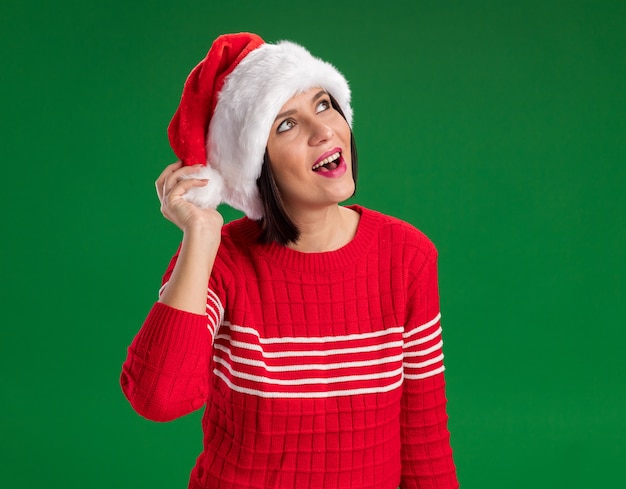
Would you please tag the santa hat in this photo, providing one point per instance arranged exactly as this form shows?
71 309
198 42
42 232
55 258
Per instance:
227 109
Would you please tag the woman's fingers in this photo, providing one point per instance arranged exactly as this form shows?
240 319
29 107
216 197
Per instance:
171 185
178 175
173 206
160 181
182 185
172 175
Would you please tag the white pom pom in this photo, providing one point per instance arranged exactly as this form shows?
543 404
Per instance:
209 196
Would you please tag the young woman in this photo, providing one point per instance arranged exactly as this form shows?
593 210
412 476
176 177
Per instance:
310 331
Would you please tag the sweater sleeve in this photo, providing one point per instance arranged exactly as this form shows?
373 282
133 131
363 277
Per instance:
166 372
427 461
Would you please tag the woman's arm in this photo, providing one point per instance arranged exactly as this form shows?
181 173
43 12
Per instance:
426 453
186 289
165 374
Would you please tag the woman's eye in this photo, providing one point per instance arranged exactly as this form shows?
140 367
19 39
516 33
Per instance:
285 125
322 106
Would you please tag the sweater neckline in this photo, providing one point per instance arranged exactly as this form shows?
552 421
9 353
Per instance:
290 259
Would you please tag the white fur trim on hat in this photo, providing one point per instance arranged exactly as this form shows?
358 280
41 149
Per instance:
247 105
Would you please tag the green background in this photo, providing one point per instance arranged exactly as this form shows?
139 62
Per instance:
498 128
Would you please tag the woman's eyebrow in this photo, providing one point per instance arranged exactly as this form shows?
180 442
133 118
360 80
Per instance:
319 94
284 114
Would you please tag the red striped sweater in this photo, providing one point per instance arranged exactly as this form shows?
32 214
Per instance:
318 370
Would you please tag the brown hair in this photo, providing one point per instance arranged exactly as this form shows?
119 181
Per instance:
276 225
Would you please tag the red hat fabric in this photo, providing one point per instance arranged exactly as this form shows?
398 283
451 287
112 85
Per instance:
228 106
188 128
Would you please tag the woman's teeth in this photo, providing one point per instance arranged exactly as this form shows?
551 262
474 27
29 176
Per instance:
328 160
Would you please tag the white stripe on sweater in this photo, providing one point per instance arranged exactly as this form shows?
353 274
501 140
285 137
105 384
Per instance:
316 366
313 339
215 300
427 351
309 353
423 327
425 339
307 395
425 375
425 363
320 381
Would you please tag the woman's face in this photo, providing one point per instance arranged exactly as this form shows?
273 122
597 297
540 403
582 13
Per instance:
309 153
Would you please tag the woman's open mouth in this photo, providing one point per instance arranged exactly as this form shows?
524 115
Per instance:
329 163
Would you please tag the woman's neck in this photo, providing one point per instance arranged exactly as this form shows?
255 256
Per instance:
326 229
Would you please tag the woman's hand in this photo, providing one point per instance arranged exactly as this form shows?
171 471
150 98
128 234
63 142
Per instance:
171 186
202 229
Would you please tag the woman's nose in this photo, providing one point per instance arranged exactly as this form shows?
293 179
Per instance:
320 132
